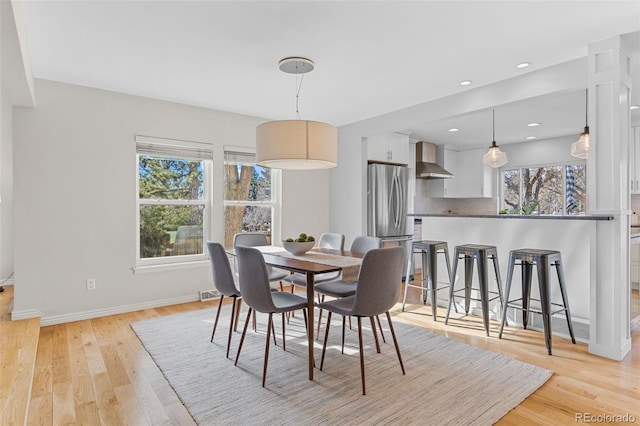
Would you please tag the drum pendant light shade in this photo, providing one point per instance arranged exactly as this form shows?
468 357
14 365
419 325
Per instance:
296 145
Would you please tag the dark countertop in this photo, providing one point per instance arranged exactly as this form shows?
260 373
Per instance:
512 216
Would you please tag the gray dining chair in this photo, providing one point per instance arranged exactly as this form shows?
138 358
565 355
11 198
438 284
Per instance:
256 292
223 282
339 288
254 239
329 240
377 291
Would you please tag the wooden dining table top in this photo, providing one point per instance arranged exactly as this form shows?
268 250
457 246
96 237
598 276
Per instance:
280 258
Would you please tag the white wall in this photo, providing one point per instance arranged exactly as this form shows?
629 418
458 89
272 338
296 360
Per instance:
74 193
6 189
545 151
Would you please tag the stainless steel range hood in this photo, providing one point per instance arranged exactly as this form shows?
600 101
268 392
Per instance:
426 167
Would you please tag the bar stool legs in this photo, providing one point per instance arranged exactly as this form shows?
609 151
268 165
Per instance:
481 254
544 260
429 251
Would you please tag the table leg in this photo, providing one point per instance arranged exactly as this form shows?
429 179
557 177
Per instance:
310 328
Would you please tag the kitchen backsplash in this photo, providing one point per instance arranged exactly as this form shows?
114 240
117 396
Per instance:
456 205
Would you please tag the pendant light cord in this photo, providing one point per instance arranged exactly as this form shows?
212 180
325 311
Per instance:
586 108
493 112
299 86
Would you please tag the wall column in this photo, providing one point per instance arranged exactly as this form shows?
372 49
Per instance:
609 84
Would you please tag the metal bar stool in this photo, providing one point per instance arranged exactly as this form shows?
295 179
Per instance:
482 254
544 260
429 281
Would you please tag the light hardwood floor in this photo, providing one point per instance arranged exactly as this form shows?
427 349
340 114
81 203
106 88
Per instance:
96 372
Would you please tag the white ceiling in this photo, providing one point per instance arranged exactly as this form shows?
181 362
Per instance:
371 57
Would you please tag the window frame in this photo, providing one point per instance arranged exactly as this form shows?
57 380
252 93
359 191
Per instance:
562 164
276 197
175 146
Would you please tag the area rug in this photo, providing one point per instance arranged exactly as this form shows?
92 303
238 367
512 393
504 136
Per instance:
447 382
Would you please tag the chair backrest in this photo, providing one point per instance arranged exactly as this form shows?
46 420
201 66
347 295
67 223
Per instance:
379 281
222 274
363 244
331 240
254 279
250 239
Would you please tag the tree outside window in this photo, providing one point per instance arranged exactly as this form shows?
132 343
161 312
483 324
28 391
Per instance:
248 195
549 190
173 201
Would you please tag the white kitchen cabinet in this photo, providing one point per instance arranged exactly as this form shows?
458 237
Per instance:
634 161
472 179
388 148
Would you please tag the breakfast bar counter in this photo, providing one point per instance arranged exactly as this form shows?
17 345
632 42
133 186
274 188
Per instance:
573 236
513 216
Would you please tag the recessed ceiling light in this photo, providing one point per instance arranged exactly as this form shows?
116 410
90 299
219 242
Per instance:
453 129
465 83
635 107
530 138
523 65
533 124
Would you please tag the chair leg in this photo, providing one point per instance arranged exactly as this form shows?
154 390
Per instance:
361 350
244 331
319 317
266 349
326 337
215 323
343 329
380 327
233 309
375 333
284 345
273 330
236 321
395 342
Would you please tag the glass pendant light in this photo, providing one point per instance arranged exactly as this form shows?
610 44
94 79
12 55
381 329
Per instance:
580 148
494 157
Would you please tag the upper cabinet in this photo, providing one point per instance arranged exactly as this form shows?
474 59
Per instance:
634 161
472 179
388 148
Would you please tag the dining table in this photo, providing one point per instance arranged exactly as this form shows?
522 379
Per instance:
316 261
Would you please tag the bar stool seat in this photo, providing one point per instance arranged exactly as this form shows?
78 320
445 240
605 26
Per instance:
482 254
544 260
429 249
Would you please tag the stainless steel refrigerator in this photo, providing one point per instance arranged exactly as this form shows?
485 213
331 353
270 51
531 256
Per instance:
387 195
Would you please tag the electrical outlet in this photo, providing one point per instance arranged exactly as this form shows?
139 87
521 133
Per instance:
91 284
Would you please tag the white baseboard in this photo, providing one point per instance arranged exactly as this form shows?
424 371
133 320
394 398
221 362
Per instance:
7 282
22 315
78 316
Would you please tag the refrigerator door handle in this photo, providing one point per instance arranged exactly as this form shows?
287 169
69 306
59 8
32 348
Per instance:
398 200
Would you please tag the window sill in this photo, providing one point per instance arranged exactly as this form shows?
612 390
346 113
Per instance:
147 269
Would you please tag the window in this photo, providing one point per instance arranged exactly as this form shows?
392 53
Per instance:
173 199
249 196
548 190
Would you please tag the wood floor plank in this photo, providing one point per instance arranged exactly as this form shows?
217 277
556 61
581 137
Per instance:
18 351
